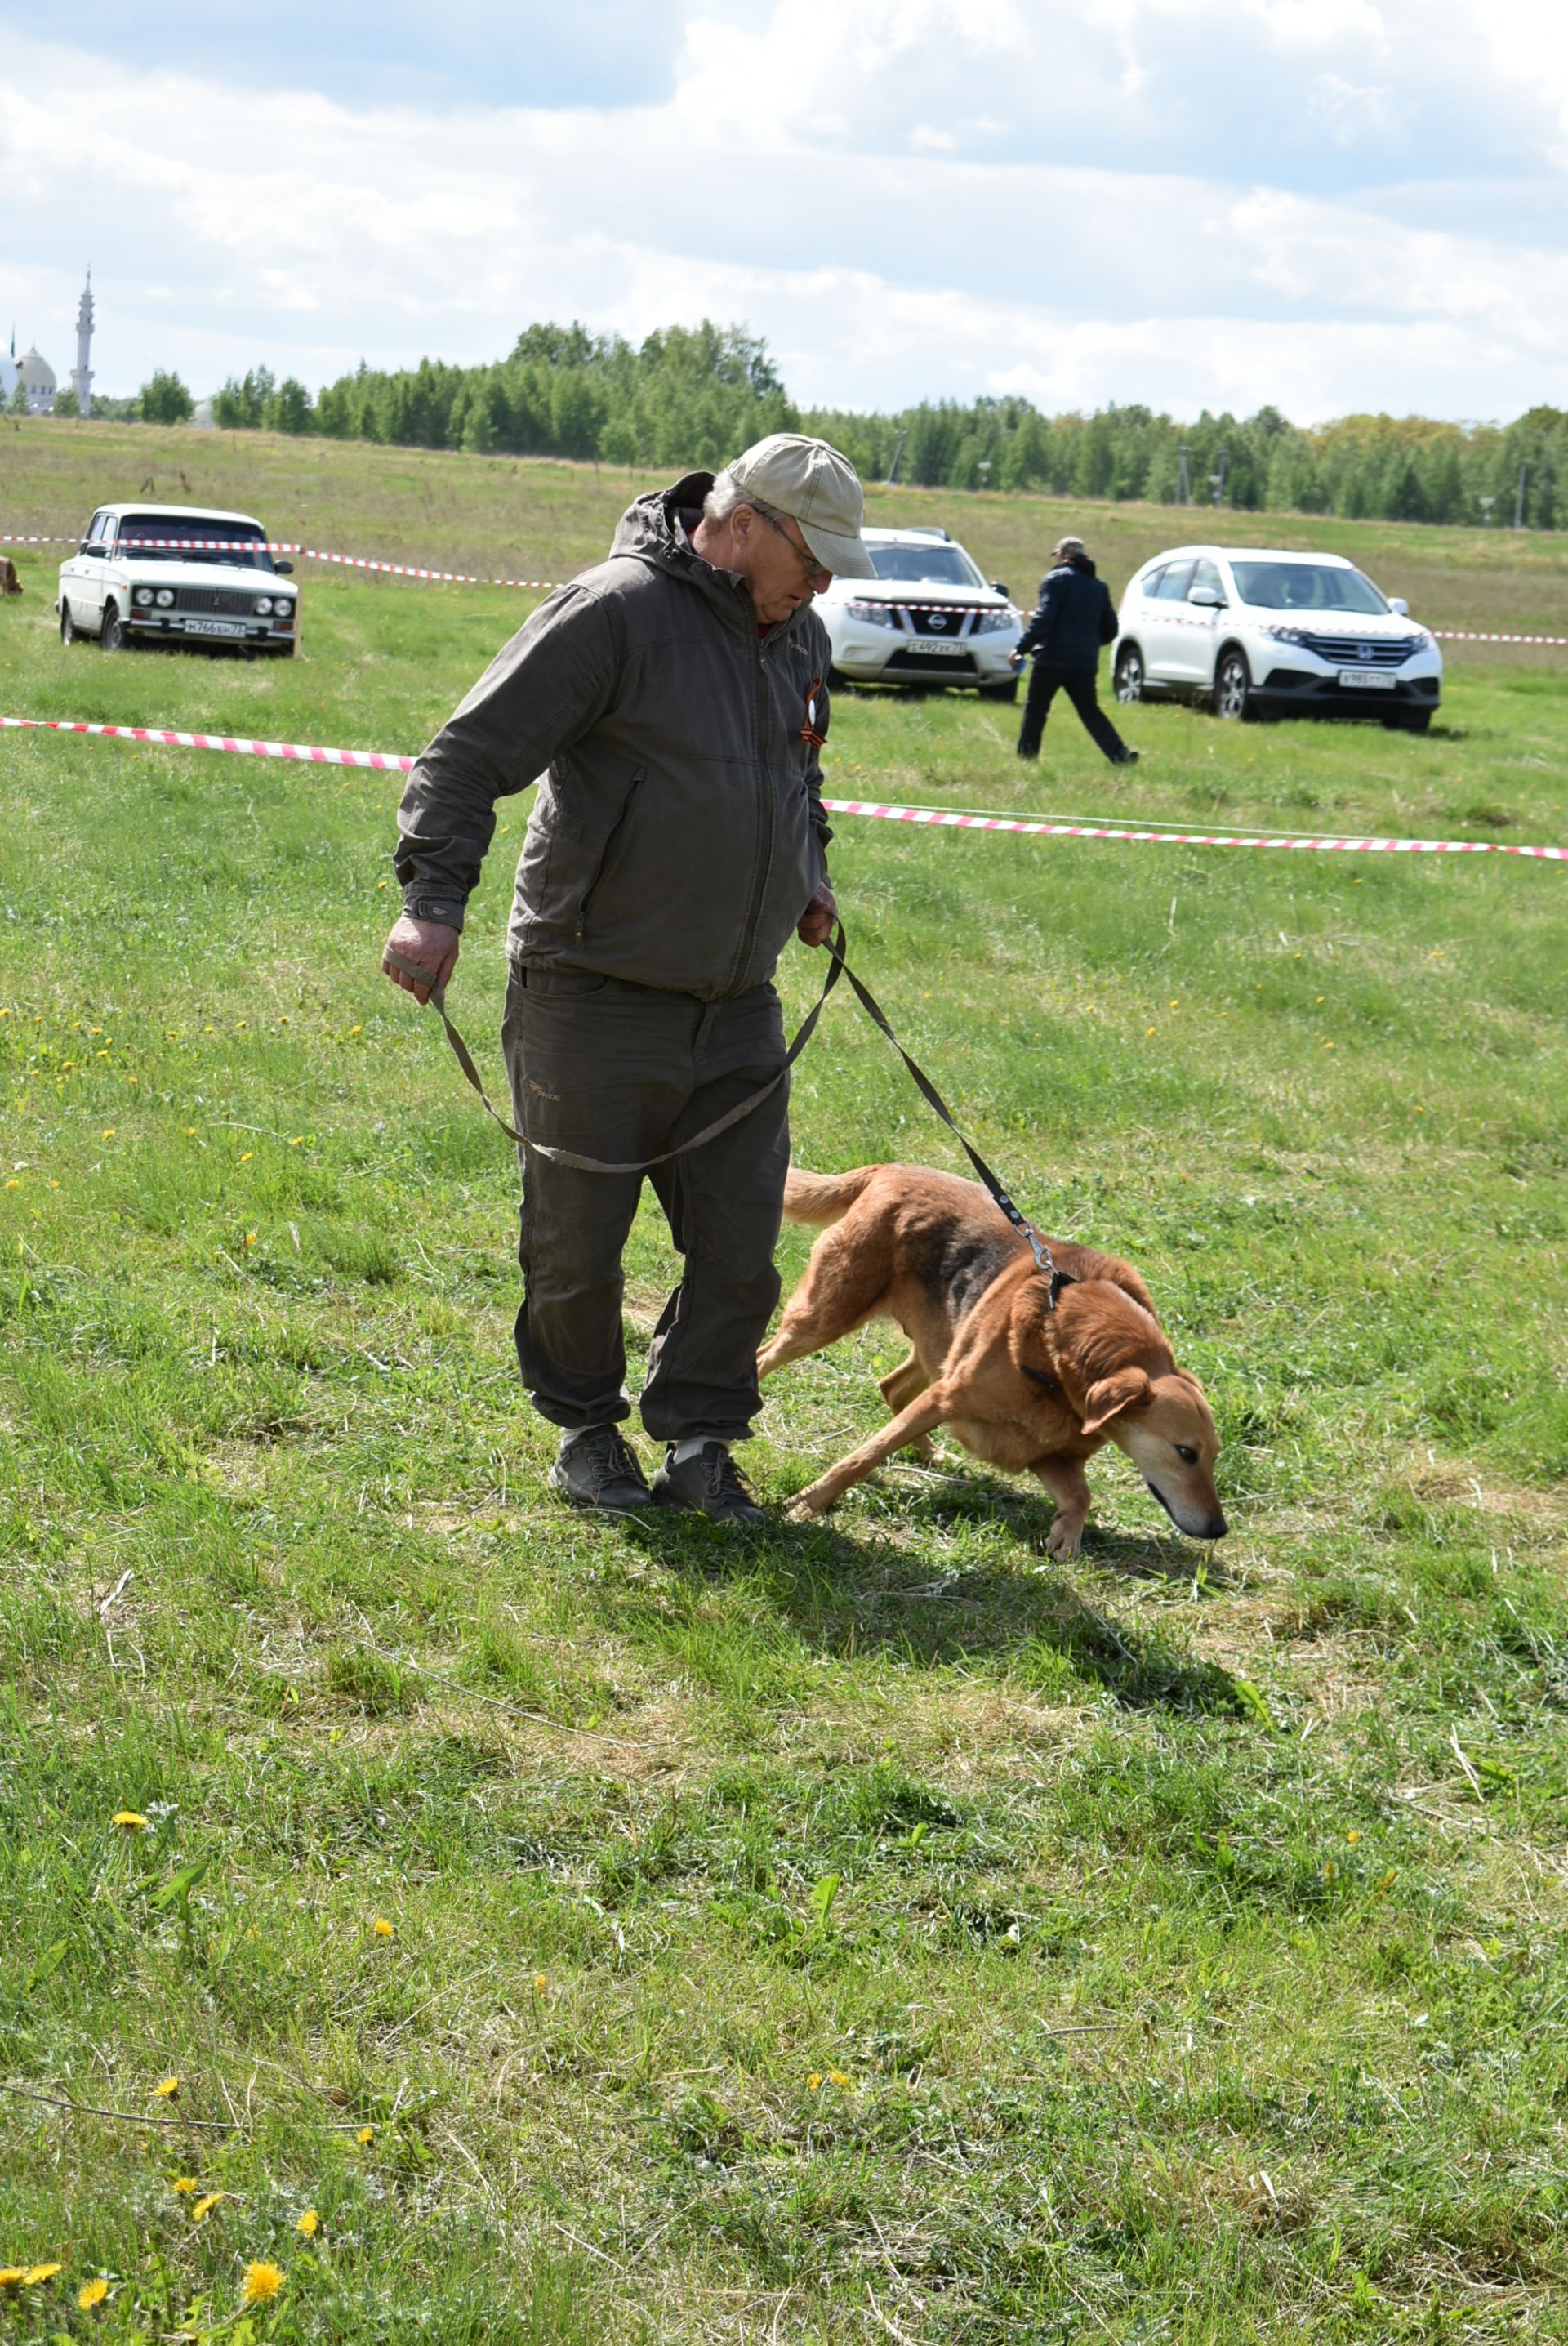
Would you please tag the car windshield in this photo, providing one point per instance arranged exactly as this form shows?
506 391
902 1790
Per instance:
1305 587
155 538
937 564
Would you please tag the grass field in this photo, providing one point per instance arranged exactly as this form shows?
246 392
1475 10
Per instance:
869 1931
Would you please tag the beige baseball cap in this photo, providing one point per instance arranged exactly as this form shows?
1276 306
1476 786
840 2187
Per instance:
816 486
1069 546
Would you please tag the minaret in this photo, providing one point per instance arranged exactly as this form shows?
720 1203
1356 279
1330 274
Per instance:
82 373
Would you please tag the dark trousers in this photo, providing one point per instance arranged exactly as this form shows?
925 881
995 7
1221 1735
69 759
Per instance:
1079 685
621 1071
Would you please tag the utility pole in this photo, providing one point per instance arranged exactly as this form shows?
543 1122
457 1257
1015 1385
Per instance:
1184 484
1217 480
1519 500
892 481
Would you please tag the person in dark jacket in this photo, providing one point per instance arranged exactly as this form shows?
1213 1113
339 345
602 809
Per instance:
671 703
1075 619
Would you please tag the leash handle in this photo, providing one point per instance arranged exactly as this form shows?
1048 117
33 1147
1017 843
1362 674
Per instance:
569 1156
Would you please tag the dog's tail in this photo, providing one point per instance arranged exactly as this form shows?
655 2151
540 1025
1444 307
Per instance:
823 1198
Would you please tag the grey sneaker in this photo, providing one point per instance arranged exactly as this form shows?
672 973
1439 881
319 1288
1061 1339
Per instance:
602 1471
711 1483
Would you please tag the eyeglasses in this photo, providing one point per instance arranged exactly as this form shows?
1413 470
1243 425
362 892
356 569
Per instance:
803 553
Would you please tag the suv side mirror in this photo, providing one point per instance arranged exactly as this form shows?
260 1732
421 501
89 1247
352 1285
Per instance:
1398 603
284 569
1209 598
998 589
92 546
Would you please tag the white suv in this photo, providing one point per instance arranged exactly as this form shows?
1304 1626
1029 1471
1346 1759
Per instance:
929 616
132 581
1264 634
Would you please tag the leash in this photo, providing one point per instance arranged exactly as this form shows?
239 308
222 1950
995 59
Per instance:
837 966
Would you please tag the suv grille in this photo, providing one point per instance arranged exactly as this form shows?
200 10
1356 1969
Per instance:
213 598
948 620
1360 651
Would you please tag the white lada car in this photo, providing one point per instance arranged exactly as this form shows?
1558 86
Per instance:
133 581
1263 634
929 616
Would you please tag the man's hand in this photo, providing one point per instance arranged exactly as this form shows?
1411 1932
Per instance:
1015 659
816 922
430 945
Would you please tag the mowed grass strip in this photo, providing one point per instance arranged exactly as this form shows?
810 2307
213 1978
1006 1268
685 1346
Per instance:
870 1929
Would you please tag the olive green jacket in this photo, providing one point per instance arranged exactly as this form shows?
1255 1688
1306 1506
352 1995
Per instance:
677 833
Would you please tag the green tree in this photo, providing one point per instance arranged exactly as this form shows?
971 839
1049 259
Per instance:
66 404
19 400
289 408
165 400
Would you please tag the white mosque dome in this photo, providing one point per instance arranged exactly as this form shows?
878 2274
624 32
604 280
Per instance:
36 372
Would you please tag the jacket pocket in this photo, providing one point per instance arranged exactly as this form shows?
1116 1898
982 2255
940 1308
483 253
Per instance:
615 839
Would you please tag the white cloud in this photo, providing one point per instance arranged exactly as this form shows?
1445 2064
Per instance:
913 197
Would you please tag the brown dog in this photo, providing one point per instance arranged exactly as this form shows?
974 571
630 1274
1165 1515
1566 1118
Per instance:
1021 1386
9 582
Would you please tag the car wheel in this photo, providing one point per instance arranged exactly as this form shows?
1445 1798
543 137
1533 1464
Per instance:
1409 720
112 634
1128 682
1232 686
69 631
1008 692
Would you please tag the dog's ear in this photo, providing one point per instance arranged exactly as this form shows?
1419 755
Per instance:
1127 1389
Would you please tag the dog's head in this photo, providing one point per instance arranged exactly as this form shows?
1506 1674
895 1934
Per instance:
1164 1425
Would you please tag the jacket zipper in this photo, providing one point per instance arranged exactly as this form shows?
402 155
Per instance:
764 858
612 839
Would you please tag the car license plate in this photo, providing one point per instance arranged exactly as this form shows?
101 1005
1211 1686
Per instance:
215 626
1367 679
939 644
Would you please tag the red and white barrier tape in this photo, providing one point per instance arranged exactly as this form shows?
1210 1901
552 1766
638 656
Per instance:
534 586
934 818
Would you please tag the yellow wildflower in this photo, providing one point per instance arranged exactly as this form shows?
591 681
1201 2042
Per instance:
262 2283
11 2274
129 1820
356 1030
366 2134
13 1185
166 2091
186 2183
838 2077
191 1132
540 1983
1352 1838
814 2081
382 1928
91 2293
250 1238
206 2204
309 2223
245 1155
37 2273
109 1134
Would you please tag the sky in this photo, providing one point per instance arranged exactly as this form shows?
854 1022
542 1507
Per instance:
1329 205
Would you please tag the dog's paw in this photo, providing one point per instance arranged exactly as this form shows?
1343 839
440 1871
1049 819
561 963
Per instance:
1065 1537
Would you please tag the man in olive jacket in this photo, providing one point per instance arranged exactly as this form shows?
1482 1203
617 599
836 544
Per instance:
1075 618
672 702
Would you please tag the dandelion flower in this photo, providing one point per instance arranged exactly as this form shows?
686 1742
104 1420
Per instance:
356 1030
183 2183
365 2134
813 2082
191 1132
129 1820
250 1238
91 2293
245 1155
262 2283
166 2091
109 1134
11 2274
838 2077
1352 1838
206 2204
35 2274
382 1928
540 1983
309 2223
13 1185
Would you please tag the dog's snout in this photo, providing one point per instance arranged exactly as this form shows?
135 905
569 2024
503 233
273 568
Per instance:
1215 1528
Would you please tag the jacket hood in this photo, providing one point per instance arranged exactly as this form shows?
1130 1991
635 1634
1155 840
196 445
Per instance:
653 529
1078 562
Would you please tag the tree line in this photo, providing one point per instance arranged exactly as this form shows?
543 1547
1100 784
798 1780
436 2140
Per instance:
695 395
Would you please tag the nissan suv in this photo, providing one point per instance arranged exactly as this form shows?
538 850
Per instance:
929 616
1257 633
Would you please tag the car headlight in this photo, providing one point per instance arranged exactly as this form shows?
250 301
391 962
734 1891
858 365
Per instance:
166 598
282 610
1286 635
144 595
990 622
1420 641
262 605
875 615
